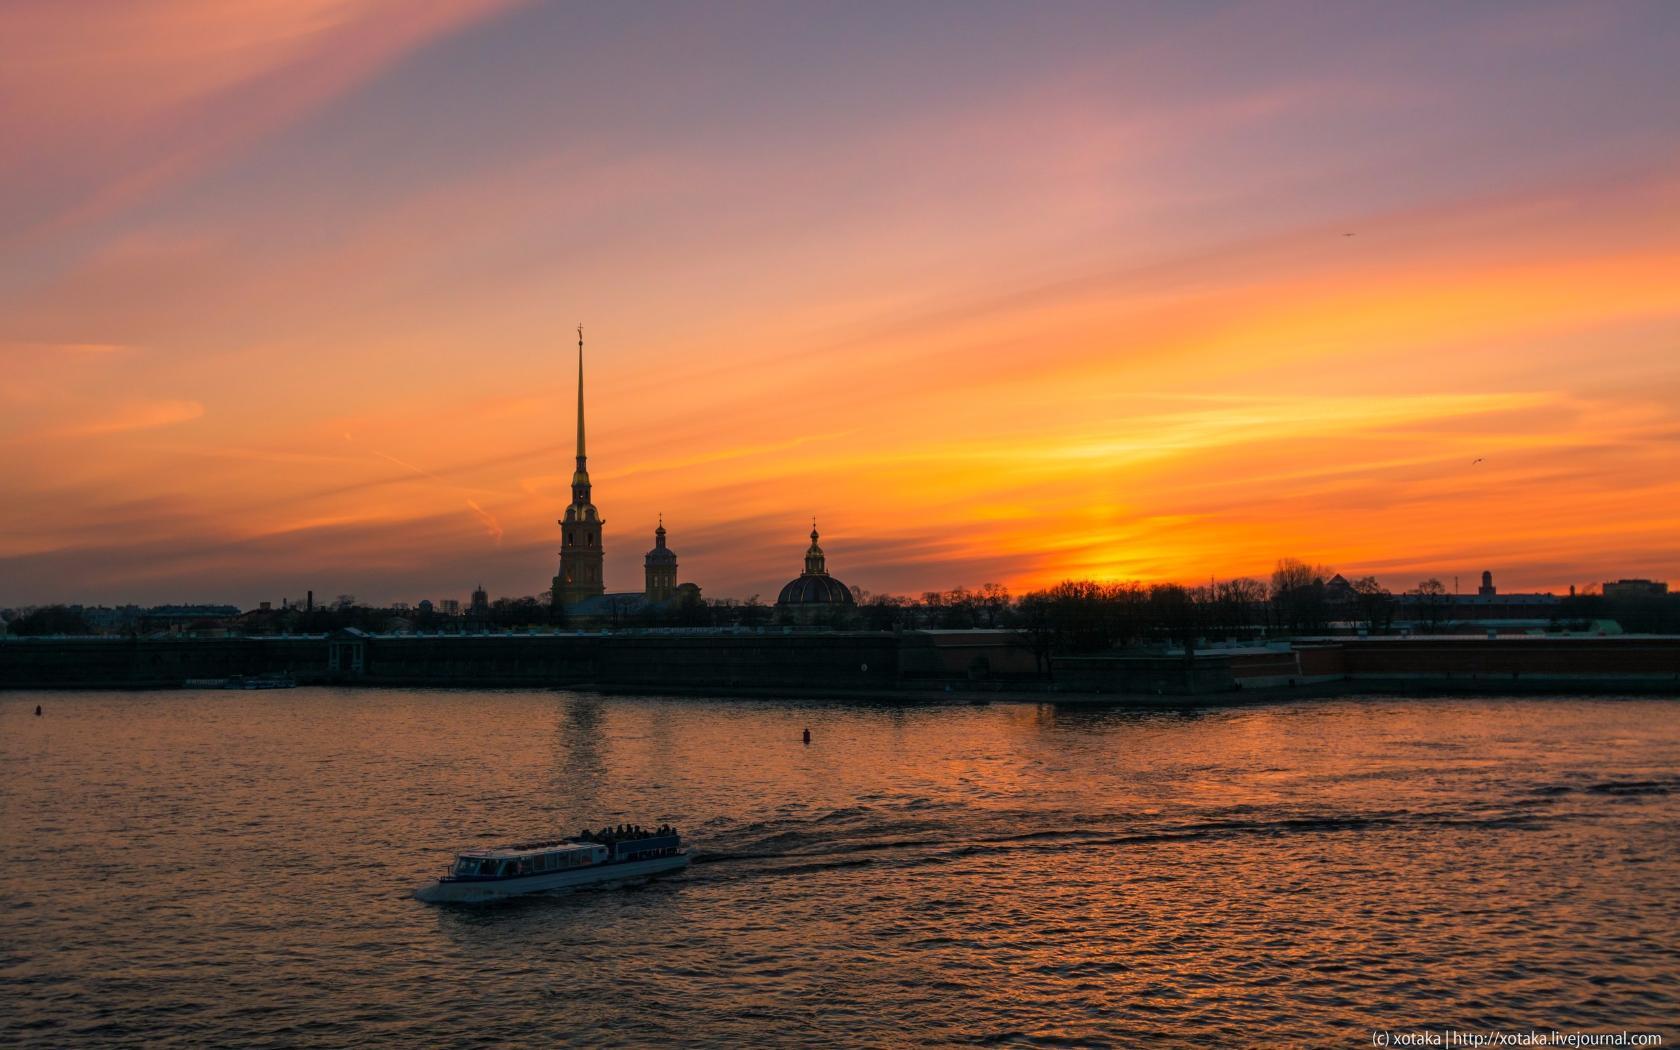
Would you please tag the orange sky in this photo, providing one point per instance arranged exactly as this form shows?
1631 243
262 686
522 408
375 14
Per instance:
1149 292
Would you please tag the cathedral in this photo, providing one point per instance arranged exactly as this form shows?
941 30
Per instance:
581 555
814 597
580 586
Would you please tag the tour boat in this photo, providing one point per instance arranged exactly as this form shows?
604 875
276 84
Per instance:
564 864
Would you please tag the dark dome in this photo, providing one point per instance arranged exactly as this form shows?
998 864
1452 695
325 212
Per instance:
662 556
815 589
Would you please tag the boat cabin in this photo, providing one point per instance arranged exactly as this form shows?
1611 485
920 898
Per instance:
537 858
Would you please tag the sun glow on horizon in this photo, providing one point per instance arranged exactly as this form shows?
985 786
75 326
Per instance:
287 298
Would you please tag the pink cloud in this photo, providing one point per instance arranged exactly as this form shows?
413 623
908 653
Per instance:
140 416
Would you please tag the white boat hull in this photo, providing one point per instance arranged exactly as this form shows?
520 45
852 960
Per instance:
479 891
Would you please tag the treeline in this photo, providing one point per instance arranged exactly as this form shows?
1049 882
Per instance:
1071 616
1086 616
49 619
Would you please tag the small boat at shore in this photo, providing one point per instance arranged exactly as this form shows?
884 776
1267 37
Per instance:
605 858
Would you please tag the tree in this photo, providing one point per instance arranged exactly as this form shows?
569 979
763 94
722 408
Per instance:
519 612
50 619
1430 603
753 612
1298 595
1376 604
993 600
884 612
1179 615
960 609
1041 628
1237 607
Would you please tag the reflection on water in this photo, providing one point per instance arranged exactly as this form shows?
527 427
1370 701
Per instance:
582 762
233 869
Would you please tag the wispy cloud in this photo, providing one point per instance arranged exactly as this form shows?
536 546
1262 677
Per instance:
36 349
492 527
137 416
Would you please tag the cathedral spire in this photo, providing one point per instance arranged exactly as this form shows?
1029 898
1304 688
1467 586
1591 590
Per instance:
580 575
581 455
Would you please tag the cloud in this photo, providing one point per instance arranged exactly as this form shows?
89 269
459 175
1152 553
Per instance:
138 416
492 527
33 349
146 97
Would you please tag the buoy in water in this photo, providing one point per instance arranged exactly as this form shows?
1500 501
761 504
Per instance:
38 714
807 733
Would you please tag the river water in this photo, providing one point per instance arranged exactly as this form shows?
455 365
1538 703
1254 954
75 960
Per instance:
228 868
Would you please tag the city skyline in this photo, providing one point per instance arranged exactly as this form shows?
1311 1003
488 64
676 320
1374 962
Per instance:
1152 293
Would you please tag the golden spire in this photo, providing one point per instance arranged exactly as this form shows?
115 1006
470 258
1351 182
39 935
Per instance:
580 452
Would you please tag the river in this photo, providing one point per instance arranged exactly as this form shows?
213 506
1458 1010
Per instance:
233 868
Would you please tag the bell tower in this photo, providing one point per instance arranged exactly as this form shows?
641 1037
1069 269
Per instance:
661 568
581 554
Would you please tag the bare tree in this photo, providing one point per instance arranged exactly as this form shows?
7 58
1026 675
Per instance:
1298 595
753 612
994 601
1431 603
1376 604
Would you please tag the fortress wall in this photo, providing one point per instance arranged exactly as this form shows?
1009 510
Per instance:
845 661
68 663
829 661
1512 656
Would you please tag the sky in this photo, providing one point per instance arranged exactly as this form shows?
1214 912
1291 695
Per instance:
996 292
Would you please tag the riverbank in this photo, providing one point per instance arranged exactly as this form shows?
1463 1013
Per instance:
904 667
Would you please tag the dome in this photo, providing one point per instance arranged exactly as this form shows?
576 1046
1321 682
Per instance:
813 589
661 554
815 586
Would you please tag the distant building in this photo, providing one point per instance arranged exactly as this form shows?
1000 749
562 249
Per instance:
449 607
187 617
1635 589
660 567
1486 608
814 596
480 606
581 550
425 606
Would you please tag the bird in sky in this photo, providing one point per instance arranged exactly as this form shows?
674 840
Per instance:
1477 460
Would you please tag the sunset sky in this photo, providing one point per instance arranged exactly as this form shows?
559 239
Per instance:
998 292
